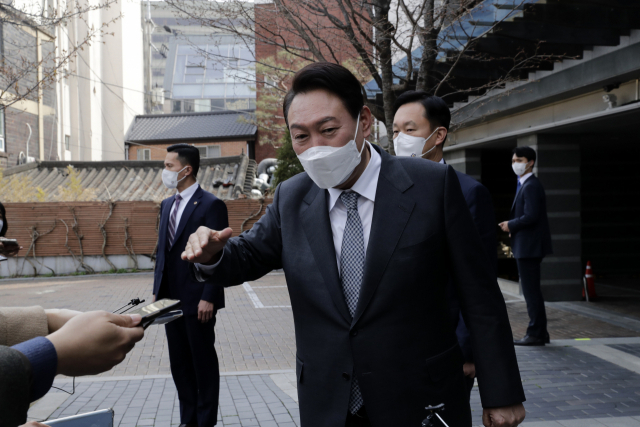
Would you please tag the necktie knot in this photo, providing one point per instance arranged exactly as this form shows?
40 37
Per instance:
178 197
350 199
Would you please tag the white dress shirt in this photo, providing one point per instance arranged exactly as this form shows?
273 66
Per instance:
186 196
365 186
524 177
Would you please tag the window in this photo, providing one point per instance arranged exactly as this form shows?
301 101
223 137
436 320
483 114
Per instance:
2 147
177 107
208 152
188 106
67 142
202 105
144 154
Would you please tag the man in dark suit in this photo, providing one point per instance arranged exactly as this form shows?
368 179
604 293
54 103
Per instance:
530 241
194 362
367 242
420 125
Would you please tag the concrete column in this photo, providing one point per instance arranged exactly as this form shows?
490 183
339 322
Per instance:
465 161
558 168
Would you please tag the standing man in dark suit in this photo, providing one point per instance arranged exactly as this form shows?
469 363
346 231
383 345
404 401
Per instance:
194 362
530 241
368 242
420 128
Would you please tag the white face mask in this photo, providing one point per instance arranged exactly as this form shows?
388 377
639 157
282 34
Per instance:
170 178
329 167
410 146
519 168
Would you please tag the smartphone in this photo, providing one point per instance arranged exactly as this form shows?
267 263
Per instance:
7 243
151 311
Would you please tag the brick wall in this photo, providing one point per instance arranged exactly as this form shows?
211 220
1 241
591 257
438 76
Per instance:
141 221
20 56
159 151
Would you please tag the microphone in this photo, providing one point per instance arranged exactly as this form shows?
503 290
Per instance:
430 421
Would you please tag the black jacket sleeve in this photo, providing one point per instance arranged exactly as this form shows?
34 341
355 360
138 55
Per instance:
217 219
15 380
482 304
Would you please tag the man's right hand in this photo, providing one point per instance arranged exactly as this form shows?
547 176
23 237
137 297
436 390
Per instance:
205 245
94 342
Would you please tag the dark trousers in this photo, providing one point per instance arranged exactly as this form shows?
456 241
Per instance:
469 383
360 419
529 271
194 367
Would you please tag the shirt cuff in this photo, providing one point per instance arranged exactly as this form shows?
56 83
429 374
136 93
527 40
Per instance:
207 270
44 363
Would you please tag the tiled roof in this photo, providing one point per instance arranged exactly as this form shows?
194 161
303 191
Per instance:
190 126
225 177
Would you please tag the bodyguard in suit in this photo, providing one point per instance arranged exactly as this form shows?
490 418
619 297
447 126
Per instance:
194 362
420 128
530 241
368 242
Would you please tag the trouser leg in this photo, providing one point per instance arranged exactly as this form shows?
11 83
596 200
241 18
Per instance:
201 338
529 271
182 370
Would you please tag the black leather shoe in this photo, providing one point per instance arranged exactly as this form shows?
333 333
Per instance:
530 341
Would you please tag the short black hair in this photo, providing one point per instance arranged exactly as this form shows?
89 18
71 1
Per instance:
435 109
188 155
333 78
526 152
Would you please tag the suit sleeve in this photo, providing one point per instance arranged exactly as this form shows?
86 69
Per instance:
252 254
15 379
217 219
532 209
481 302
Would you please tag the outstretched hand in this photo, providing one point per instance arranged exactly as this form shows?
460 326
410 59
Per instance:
205 245
508 416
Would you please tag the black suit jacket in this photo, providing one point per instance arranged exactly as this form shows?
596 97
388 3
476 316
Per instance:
3 216
400 344
15 379
171 276
529 225
480 205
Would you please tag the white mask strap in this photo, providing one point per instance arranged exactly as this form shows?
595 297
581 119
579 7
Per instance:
429 137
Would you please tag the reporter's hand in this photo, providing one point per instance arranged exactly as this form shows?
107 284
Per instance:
469 369
504 225
56 318
508 416
205 311
204 246
94 342
34 424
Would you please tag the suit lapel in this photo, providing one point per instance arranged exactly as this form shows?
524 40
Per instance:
163 228
390 215
317 227
188 210
513 205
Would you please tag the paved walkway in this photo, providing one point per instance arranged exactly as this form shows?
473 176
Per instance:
587 380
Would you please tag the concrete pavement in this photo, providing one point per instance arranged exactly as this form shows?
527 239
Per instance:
594 381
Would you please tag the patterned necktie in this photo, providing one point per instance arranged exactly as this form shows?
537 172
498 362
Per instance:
518 186
172 220
351 272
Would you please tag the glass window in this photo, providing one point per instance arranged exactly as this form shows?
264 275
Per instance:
238 90
181 61
177 107
214 90
188 106
67 142
217 104
213 151
215 71
144 154
203 152
202 105
187 91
